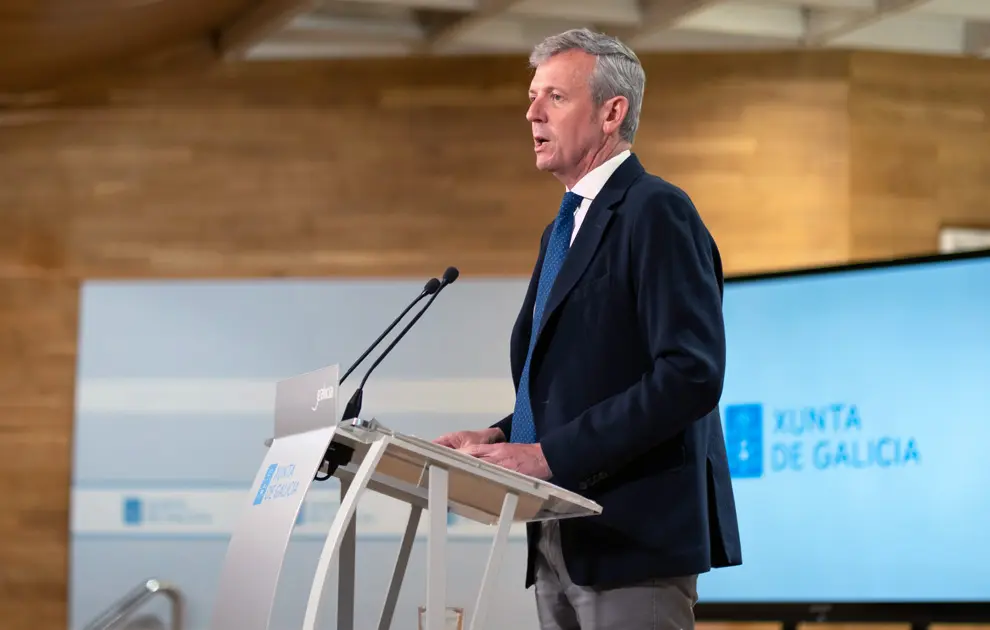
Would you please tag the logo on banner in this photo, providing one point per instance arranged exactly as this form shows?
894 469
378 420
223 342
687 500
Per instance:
813 437
744 440
279 482
324 393
172 510
133 512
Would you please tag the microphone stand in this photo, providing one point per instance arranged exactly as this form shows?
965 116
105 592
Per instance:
340 454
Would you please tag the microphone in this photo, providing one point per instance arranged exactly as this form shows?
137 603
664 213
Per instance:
340 454
353 408
432 286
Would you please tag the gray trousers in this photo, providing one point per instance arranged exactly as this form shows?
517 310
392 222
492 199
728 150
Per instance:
562 605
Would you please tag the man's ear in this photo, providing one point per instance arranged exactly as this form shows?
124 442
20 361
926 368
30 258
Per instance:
614 112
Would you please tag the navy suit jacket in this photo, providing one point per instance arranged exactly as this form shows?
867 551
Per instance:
625 382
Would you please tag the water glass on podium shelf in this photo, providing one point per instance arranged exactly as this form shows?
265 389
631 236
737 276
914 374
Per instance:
453 618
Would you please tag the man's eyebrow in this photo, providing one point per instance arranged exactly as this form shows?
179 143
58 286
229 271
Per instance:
546 88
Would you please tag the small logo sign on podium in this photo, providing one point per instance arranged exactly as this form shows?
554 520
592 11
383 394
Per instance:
305 421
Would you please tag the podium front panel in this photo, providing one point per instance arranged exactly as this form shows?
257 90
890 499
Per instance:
250 573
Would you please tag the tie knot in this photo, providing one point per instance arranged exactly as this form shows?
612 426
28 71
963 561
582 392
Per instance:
569 204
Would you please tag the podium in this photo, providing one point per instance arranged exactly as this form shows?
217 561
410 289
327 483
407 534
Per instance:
367 456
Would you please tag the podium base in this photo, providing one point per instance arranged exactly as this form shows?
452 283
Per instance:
341 542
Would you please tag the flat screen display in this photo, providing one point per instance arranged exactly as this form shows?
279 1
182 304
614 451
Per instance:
856 412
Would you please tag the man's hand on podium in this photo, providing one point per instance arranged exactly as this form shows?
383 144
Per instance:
460 439
527 459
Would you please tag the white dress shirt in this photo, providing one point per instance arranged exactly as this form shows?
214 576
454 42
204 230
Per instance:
591 184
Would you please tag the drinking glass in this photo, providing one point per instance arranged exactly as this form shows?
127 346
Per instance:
453 618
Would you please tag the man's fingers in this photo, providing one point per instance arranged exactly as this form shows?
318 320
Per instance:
477 450
452 440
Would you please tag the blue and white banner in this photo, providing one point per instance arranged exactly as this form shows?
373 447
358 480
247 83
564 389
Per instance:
176 397
207 513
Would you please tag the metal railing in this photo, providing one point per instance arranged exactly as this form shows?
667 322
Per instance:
120 610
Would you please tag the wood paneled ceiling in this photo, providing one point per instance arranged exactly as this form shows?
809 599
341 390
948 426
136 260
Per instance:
43 41
363 27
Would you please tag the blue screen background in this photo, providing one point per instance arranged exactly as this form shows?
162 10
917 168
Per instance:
819 368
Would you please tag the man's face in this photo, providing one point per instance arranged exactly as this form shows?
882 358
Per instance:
566 125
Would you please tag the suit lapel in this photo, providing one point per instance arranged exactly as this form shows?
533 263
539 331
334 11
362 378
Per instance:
589 237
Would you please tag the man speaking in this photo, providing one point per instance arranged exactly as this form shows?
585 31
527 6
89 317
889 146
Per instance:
617 355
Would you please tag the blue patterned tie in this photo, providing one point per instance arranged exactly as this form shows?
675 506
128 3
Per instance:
523 430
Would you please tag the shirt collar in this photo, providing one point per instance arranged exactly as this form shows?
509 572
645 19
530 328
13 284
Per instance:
591 184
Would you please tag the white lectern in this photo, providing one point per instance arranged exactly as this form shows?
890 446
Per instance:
412 470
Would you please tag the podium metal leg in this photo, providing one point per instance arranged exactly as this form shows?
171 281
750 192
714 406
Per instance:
336 536
436 562
346 569
399 573
494 560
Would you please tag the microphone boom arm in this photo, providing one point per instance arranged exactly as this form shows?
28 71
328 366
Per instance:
353 407
339 454
430 289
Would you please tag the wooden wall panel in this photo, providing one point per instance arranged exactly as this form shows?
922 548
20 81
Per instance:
920 150
388 153
37 365
766 162
385 167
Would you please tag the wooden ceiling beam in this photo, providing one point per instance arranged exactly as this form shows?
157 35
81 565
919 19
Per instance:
823 26
660 15
261 20
443 28
976 39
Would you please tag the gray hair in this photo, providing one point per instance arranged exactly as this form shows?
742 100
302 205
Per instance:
618 71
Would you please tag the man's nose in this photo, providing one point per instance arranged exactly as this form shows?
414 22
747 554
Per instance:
535 112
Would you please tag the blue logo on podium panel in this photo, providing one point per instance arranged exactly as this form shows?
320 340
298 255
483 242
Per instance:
278 483
265 482
132 511
744 440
